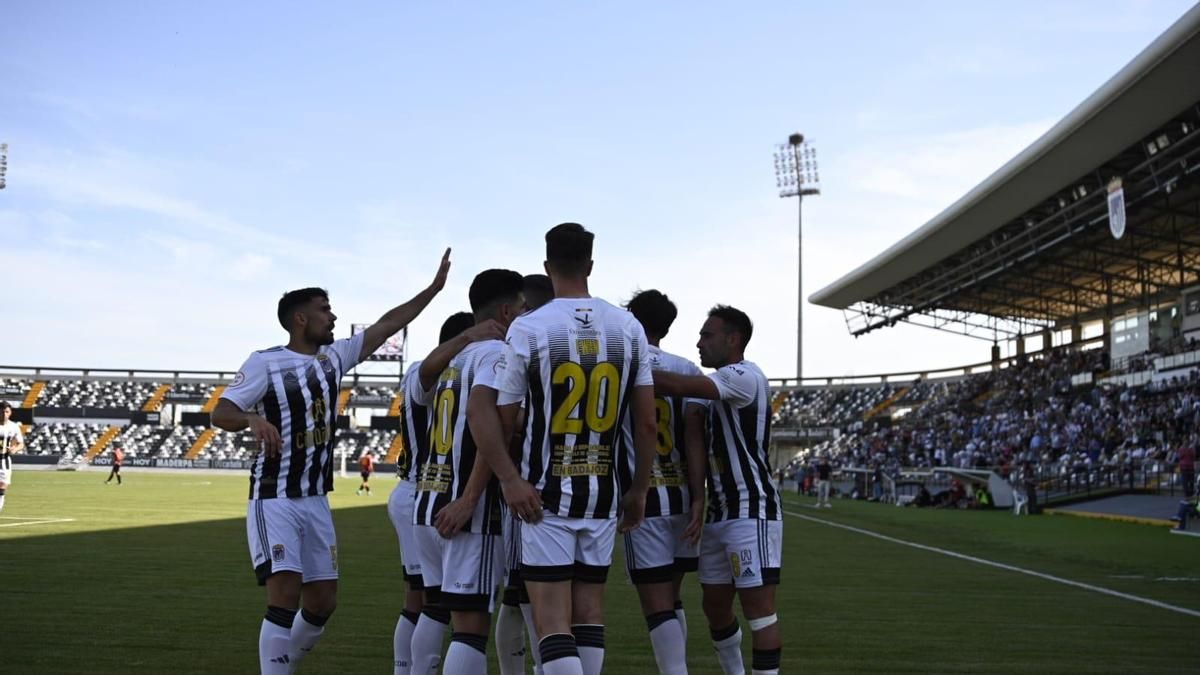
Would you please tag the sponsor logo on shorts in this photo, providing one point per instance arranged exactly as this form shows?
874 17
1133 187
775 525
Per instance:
277 552
333 557
745 562
466 587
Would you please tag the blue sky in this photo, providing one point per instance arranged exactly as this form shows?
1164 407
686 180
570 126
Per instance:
173 167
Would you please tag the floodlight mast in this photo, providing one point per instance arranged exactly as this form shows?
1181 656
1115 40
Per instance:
796 175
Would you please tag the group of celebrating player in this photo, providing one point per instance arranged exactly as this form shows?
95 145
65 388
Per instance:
543 416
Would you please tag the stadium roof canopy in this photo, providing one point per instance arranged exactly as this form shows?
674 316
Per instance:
1030 247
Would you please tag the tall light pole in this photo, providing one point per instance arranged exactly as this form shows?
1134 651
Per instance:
3 163
796 176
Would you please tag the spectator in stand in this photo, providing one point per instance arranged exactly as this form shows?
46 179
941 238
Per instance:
1187 467
118 458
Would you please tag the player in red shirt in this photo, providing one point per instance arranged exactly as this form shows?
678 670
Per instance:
118 458
366 465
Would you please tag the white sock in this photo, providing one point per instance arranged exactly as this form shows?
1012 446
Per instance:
306 632
402 642
728 643
670 651
560 655
589 640
467 655
510 640
682 616
274 639
534 640
2 502
427 644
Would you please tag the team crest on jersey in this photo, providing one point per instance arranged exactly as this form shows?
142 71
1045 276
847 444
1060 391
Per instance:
277 553
326 364
333 557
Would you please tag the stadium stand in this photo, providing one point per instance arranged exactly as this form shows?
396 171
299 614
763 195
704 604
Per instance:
62 439
128 395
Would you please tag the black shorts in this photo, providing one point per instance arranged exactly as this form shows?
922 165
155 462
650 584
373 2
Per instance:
366 475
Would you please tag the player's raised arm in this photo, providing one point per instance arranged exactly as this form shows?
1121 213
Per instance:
398 317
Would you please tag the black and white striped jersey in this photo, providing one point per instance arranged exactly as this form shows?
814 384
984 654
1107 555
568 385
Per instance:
442 476
578 360
10 435
669 494
414 424
298 394
740 484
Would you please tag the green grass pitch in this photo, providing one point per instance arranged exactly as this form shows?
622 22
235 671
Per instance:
152 576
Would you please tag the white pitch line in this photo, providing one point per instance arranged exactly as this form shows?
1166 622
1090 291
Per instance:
1003 566
35 521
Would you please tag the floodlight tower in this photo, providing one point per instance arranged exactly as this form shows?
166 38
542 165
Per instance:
796 176
3 163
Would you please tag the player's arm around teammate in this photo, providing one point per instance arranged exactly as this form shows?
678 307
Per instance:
740 552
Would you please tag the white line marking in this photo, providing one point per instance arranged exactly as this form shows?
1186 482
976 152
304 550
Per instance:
35 521
998 565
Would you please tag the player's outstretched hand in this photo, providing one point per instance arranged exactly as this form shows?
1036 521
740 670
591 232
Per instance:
488 330
454 516
695 525
633 510
266 434
439 279
523 499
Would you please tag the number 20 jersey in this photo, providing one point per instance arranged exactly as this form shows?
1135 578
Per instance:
578 359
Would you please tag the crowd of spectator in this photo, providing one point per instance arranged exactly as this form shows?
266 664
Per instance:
1029 415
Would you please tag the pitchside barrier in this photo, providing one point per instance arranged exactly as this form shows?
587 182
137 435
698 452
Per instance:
168 463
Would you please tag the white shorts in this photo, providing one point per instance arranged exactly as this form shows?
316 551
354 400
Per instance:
745 552
465 567
564 549
292 535
656 551
400 510
6 476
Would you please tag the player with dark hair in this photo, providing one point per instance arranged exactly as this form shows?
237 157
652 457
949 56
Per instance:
12 441
287 397
421 627
457 509
538 290
658 553
583 364
514 620
118 458
741 550
366 466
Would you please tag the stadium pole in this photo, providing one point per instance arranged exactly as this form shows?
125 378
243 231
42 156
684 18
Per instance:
796 176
